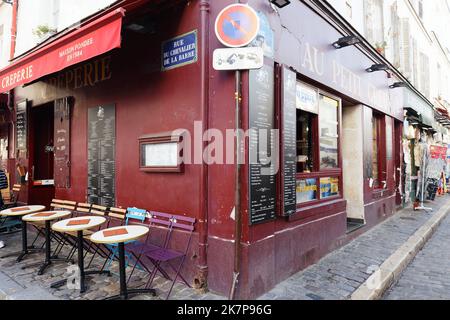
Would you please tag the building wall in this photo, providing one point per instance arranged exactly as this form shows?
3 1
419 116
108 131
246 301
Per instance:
5 33
416 38
55 14
147 101
353 160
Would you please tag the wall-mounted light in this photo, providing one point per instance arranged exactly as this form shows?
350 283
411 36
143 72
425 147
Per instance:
346 41
398 85
377 67
280 3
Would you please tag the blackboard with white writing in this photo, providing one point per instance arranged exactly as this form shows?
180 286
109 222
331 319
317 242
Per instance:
101 155
262 183
289 132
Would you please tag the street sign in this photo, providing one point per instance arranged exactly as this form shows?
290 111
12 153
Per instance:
238 58
237 25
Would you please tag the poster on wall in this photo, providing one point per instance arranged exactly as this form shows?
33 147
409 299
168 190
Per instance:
101 155
289 134
262 171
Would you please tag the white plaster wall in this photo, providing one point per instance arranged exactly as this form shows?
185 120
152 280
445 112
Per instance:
5 20
57 14
352 157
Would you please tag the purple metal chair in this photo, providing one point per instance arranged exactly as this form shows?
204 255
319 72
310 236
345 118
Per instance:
168 254
159 223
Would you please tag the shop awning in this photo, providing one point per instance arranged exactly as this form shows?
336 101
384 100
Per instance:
84 43
422 107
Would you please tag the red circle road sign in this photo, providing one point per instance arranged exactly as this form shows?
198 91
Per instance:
237 25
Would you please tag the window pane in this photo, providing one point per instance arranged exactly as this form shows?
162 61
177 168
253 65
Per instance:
304 142
329 187
328 130
306 190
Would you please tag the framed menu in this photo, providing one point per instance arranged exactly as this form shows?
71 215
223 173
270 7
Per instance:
289 138
21 126
101 155
262 182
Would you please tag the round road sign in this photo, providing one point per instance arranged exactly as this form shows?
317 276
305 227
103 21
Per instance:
237 25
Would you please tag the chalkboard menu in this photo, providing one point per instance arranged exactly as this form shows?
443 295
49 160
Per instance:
21 126
62 143
101 155
262 183
289 135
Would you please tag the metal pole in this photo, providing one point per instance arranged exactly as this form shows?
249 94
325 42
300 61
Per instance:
237 191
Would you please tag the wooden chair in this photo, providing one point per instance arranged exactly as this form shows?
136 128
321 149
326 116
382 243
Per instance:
56 204
14 197
10 198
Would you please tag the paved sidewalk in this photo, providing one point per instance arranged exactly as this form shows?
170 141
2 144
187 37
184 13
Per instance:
334 277
428 276
339 274
18 284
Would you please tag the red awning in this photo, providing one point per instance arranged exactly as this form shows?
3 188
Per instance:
93 39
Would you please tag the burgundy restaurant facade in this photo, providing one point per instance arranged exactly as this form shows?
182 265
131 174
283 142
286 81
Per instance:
96 128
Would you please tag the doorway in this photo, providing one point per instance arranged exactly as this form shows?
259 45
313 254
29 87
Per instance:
41 159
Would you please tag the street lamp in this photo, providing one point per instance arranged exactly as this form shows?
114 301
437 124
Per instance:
398 85
346 41
280 3
377 67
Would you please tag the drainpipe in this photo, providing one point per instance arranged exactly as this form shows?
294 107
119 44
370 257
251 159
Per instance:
15 7
200 280
13 29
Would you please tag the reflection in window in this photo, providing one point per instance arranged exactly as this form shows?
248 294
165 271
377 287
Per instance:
329 187
375 164
328 131
305 158
306 190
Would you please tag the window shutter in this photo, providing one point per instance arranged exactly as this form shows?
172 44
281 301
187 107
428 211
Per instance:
415 57
395 23
405 48
424 75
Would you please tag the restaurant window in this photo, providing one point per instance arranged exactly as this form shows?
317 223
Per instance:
318 164
378 151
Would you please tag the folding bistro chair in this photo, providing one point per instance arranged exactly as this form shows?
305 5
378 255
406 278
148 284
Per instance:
139 215
117 217
92 247
10 201
160 225
56 204
169 254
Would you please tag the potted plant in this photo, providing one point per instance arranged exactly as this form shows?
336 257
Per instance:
381 47
43 32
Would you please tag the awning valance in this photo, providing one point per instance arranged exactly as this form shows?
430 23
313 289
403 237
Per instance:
422 107
84 43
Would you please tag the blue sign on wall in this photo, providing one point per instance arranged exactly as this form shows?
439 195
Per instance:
179 51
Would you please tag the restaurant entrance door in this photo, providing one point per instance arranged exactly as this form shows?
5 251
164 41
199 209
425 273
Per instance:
41 189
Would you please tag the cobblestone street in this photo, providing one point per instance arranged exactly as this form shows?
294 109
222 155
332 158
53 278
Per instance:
26 284
428 276
335 277
338 274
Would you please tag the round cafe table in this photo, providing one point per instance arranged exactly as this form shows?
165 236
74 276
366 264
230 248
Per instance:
120 235
20 212
79 225
47 217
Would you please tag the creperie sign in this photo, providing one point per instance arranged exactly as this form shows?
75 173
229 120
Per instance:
94 39
17 77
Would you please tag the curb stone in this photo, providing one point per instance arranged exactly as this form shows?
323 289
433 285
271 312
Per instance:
391 269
